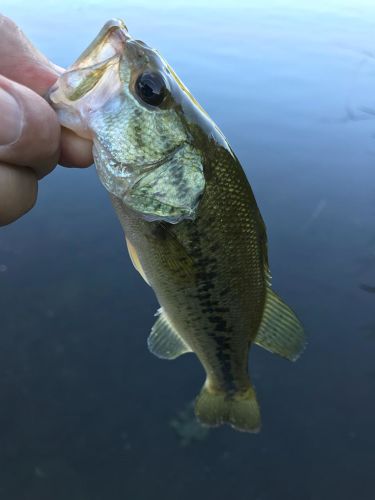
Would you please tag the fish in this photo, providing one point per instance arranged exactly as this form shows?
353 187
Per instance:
192 225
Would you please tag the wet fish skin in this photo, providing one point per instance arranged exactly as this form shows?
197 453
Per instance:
197 270
192 224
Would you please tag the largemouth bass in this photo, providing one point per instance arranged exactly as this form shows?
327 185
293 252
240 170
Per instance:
192 225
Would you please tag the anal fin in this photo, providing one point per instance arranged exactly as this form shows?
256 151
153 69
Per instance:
164 341
280 331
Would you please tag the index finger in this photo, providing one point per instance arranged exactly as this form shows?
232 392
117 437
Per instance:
23 63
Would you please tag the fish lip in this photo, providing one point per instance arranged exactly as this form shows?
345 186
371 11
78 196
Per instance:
115 34
107 47
115 23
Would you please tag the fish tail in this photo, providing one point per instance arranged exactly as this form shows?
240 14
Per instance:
240 410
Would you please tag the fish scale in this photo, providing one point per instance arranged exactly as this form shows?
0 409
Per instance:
217 279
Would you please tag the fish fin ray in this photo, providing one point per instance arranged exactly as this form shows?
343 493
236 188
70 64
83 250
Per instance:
175 256
280 331
264 246
163 341
135 260
240 410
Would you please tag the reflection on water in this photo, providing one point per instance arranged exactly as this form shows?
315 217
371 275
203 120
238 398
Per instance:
86 411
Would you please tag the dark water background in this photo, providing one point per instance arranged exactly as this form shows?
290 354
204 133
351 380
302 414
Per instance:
85 410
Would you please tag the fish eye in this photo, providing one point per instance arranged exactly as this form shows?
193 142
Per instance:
151 88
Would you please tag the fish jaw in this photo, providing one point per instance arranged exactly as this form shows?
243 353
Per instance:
96 68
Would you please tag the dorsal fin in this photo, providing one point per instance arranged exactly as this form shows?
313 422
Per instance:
135 259
164 341
280 330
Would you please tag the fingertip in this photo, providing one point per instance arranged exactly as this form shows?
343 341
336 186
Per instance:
75 151
18 192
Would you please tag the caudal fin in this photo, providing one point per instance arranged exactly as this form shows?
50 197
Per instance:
239 410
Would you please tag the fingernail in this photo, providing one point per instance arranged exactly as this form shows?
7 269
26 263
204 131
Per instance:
10 118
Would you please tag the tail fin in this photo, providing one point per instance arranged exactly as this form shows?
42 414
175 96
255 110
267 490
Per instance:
240 410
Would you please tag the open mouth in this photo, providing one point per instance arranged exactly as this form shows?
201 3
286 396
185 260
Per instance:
105 50
109 42
91 80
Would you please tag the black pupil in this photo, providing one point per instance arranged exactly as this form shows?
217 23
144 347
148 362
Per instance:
151 88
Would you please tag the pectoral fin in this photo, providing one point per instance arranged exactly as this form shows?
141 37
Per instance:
164 341
280 331
135 260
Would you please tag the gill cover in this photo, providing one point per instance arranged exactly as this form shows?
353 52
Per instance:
172 191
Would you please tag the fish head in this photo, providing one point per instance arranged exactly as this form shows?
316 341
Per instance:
145 125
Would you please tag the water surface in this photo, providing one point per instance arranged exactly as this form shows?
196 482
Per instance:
85 410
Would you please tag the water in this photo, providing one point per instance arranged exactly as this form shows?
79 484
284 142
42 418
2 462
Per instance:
86 411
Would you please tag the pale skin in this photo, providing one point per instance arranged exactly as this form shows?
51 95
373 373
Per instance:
32 142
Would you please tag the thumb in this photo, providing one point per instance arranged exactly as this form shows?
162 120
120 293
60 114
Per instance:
29 129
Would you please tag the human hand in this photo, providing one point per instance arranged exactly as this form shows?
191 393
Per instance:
31 139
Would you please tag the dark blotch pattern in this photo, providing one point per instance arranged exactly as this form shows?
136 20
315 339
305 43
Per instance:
220 331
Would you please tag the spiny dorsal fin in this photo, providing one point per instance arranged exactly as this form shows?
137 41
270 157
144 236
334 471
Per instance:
164 341
280 330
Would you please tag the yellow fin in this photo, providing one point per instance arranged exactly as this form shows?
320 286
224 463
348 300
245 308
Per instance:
280 331
135 259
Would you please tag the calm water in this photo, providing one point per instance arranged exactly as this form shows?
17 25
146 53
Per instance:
85 410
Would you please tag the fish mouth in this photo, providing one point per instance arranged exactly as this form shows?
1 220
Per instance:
109 43
104 50
72 96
